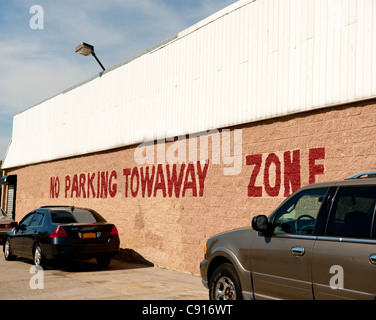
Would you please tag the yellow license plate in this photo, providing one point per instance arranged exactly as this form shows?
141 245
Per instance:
89 235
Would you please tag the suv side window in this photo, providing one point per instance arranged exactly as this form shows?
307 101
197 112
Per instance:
299 214
352 212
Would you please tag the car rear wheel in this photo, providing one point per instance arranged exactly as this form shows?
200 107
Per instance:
225 284
39 259
7 251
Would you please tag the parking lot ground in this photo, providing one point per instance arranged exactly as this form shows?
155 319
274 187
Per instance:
85 280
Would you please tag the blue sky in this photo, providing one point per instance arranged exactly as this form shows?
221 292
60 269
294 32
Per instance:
36 64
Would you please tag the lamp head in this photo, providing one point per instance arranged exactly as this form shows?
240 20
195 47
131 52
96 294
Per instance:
85 49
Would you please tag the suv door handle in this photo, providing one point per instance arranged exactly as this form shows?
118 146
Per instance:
372 258
299 251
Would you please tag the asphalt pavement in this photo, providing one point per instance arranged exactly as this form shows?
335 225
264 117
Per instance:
85 280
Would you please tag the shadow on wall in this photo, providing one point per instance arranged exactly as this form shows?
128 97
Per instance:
130 255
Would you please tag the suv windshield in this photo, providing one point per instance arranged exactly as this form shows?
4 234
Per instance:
73 216
299 214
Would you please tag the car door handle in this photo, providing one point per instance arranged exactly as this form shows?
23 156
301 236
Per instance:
372 258
297 251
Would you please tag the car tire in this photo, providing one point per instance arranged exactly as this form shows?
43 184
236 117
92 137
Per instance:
104 261
8 251
224 284
39 259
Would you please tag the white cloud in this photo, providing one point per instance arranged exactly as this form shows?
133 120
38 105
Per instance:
42 63
32 76
37 64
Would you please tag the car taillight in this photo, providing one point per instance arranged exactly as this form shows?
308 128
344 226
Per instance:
59 232
4 225
114 231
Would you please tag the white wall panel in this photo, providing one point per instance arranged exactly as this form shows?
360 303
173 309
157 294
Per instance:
251 61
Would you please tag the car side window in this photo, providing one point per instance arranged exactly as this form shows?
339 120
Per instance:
26 221
352 212
299 214
37 220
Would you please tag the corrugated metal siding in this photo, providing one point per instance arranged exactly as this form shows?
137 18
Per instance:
250 61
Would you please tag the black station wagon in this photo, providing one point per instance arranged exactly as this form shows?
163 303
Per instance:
50 233
320 243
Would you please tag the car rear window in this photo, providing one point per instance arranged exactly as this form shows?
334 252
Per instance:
73 216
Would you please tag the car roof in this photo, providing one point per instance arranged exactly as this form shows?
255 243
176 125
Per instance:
55 207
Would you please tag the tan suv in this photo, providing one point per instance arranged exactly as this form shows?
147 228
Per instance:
320 243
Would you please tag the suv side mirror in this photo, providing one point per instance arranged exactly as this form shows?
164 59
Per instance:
260 223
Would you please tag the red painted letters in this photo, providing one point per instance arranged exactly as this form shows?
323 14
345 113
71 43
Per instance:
173 181
256 160
269 175
150 181
54 187
272 159
291 172
315 169
84 185
155 181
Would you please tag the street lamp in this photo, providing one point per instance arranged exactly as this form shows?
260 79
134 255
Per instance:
85 49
